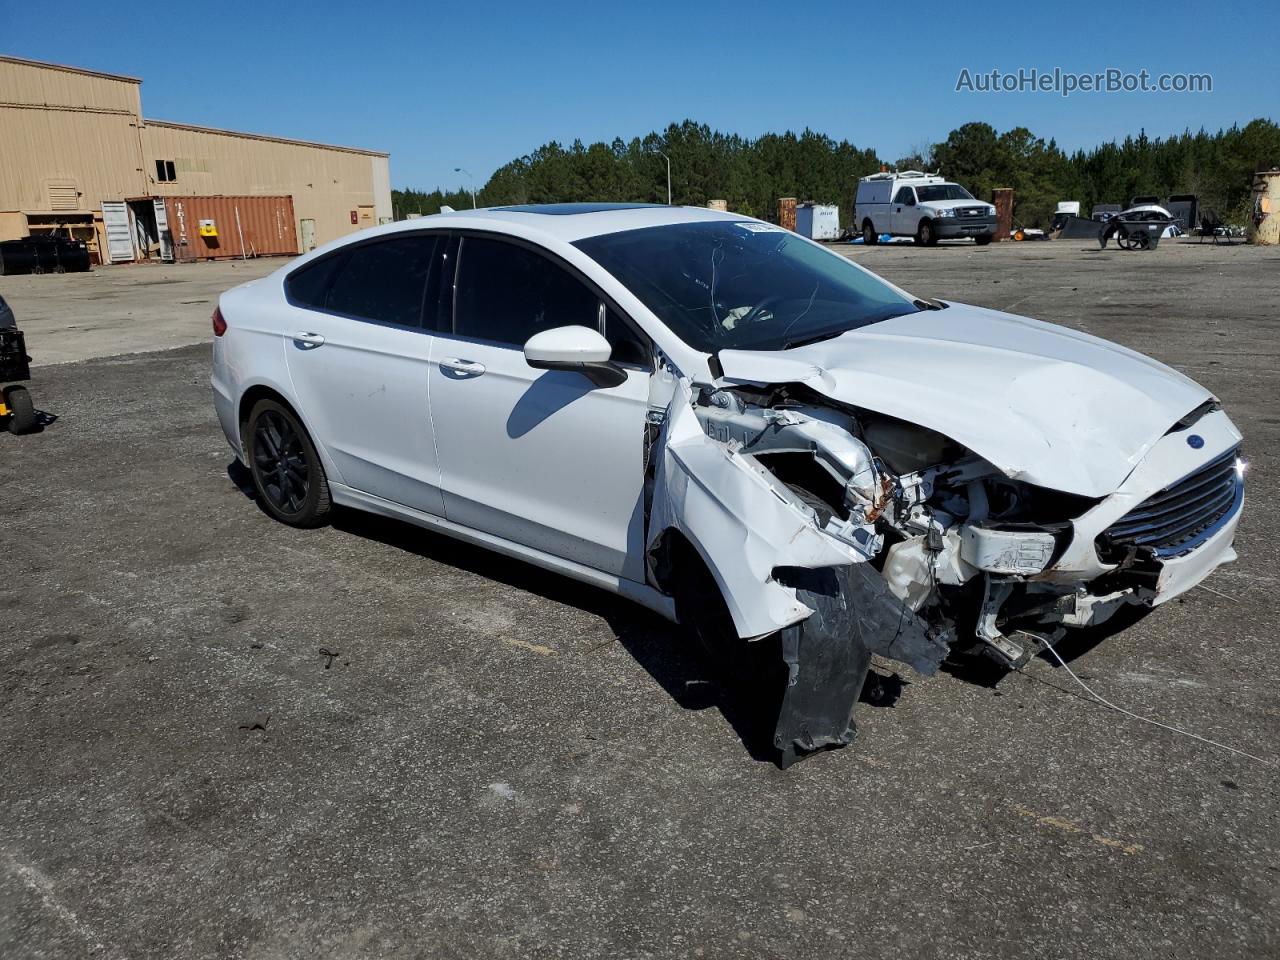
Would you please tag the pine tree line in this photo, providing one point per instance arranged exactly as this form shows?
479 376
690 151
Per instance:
752 174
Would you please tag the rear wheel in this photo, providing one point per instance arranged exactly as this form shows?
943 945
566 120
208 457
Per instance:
869 235
287 472
22 412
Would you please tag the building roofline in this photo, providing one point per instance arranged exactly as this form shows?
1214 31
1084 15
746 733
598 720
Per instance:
262 136
59 66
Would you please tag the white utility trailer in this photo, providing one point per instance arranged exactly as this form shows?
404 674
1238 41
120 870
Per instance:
818 221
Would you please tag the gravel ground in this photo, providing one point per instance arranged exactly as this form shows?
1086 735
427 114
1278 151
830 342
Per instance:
499 762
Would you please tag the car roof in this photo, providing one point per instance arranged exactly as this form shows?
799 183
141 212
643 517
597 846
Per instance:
569 221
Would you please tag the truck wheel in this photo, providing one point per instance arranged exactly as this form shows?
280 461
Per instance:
982 240
869 235
22 412
925 235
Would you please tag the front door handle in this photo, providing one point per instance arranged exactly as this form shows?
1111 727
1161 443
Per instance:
462 368
308 339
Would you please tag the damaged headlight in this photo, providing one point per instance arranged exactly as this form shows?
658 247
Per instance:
1014 552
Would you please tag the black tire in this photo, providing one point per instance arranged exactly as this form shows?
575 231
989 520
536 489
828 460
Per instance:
22 412
287 473
747 681
869 235
701 609
926 236
982 240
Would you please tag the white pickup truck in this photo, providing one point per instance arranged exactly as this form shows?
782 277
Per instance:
920 205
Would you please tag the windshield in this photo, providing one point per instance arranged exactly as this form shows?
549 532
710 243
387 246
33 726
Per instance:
743 285
943 191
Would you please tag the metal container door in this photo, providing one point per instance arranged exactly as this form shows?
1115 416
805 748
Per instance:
115 218
162 230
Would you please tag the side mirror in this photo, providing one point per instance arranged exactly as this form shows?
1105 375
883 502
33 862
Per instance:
910 201
577 350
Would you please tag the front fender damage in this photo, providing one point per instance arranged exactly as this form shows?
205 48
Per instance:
780 568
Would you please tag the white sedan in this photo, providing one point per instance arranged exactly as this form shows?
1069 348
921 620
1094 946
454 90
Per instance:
734 427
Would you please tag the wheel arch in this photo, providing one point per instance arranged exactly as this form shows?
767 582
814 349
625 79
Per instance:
250 398
258 392
675 561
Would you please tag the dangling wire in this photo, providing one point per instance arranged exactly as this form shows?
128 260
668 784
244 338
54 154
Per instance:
1128 713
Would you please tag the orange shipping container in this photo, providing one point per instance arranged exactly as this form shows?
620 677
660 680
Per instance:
241 227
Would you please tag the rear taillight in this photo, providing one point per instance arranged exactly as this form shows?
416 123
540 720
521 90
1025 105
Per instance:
219 325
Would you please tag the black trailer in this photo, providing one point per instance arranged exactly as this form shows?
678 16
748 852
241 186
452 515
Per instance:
16 409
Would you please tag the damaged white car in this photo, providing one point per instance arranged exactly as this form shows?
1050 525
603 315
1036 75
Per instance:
729 423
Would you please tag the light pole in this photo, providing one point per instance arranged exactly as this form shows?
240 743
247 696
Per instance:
668 159
472 189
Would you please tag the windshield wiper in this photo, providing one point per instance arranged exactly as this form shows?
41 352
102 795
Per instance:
816 338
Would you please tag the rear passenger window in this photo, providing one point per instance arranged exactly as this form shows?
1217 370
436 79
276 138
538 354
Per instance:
309 286
384 280
507 293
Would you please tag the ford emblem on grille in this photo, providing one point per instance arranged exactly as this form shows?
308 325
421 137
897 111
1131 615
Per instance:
1195 441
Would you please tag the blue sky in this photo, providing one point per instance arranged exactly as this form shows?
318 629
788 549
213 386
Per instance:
445 85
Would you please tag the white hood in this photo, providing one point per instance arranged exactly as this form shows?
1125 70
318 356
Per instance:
956 205
1044 404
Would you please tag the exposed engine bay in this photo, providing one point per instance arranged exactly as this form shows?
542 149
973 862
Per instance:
955 540
855 533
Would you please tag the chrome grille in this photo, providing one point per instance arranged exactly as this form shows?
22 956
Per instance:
1180 517
971 211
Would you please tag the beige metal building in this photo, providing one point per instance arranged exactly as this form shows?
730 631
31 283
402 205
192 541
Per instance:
76 152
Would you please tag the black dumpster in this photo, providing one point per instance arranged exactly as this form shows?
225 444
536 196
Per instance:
1186 210
43 253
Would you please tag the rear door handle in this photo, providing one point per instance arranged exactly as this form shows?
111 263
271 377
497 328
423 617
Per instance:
464 368
308 339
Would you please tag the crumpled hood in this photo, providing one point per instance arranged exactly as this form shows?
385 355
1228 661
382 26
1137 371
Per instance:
1044 404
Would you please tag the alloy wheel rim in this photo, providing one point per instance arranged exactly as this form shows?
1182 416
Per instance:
281 463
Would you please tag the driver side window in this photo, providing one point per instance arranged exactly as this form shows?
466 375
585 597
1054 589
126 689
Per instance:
905 196
507 293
